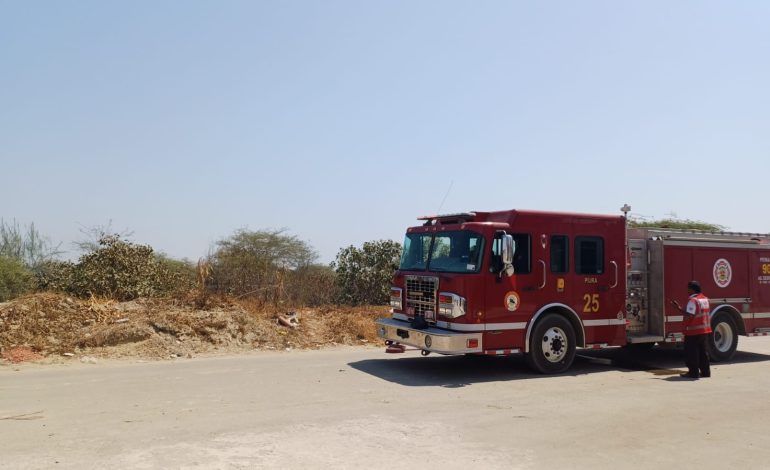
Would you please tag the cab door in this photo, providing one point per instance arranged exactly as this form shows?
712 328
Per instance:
560 283
509 299
550 268
599 291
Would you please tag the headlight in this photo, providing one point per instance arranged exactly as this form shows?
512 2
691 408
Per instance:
395 298
451 305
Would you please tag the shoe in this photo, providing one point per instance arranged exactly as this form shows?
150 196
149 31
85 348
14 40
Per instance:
687 375
705 376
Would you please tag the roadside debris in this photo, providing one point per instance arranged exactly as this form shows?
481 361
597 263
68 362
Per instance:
289 320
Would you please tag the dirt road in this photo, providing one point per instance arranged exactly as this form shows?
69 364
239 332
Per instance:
359 408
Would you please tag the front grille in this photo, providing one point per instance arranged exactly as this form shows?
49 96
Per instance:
421 293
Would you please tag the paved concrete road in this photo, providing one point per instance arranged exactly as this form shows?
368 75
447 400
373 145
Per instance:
360 408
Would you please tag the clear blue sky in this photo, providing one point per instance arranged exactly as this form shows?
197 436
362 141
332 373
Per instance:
343 121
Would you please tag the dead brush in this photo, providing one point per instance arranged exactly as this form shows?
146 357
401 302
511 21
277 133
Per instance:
102 308
56 324
201 299
258 308
348 325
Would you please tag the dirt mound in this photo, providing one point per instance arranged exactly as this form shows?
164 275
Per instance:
55 325
20 354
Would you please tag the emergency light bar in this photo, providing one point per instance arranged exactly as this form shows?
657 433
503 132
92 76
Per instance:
449 218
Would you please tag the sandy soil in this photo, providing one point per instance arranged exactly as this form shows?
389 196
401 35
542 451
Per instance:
356 408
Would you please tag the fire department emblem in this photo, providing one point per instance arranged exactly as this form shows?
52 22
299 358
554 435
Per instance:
512 301
723 272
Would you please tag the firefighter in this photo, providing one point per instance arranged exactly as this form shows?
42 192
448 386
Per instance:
697 331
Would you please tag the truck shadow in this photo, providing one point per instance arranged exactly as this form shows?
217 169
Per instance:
461 371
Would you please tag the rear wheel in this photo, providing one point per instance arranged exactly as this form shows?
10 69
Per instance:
552 346
724 339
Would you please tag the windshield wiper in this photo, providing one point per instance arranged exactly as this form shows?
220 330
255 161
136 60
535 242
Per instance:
414 267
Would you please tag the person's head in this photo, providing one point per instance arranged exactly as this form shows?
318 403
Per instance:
694 287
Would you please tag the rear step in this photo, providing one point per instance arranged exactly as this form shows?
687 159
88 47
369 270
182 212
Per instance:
675 338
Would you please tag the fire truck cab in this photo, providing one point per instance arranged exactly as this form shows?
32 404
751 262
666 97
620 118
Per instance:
546 283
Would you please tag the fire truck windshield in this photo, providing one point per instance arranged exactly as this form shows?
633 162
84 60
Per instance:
453 252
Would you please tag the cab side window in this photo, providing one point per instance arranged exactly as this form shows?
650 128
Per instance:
559 254
522 258
589 255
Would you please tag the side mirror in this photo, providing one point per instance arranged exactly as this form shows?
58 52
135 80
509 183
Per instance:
509 248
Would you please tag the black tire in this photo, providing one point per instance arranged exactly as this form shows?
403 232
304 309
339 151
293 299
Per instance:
552 346
724 340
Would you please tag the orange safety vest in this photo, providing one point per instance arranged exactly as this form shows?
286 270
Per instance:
700 323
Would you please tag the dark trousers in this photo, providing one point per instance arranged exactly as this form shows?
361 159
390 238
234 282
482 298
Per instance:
696 355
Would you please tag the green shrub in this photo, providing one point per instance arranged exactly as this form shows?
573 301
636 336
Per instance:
15 278
181 273
54 275
364 274
121 270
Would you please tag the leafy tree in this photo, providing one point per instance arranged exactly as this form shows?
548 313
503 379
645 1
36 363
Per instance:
23 251
677 224
181 272
312 286
364 274
15 278
92 236
25 245
259 263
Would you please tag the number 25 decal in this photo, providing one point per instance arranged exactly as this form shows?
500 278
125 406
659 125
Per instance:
591 303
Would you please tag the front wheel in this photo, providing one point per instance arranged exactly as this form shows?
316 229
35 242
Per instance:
552 346
724 339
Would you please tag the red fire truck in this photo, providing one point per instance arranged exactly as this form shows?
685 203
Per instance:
545 283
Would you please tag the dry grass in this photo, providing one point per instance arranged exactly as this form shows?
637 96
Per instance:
194 323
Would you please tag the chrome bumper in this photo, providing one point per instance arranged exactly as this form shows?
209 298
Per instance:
428 339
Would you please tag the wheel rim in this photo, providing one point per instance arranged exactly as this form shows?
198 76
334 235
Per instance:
555 345
723 337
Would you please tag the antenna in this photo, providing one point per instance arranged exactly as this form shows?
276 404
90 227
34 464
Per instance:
445 196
